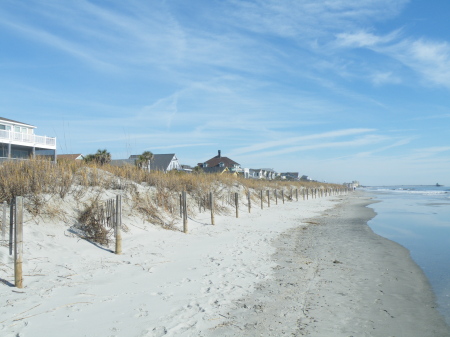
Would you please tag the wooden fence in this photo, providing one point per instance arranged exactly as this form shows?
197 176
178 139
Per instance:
109 215
15 240
232 199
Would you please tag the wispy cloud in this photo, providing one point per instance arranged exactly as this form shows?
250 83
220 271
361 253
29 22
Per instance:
318 18
179 146
360 141
364 39
294 140
401 142
73 49
380 78
427 58
431 59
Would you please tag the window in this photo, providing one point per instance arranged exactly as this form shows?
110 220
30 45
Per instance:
20 129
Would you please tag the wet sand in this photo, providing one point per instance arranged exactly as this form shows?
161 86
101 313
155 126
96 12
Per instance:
335 277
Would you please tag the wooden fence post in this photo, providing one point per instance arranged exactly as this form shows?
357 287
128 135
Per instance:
236 202
307 194
292 198
249 202
296 194
276 197
118 224
261 199
303 193
18 244
5 205
268 198
282 195
11 224
211 206
181 204
185 216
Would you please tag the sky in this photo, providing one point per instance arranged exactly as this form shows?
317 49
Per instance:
338 90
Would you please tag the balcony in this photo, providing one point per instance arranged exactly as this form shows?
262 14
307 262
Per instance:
25 139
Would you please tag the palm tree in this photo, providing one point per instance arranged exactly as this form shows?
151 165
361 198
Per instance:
102 157
144 159
89 158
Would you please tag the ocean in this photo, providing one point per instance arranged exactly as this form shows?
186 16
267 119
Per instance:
418 218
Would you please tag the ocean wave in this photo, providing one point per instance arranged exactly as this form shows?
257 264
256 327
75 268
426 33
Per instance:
412 191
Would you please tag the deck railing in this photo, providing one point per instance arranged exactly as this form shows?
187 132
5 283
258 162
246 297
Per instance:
27 138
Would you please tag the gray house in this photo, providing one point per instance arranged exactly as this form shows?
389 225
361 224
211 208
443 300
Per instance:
160 162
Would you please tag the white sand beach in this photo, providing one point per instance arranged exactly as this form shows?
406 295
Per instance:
310 268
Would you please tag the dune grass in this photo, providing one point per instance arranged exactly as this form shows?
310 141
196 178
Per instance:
153 195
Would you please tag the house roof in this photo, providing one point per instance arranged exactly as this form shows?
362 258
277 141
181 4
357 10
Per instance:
122 162
16 122
215 161
160 162
70 156
291 174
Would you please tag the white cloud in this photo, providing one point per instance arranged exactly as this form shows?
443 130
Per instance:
430 59
380 78
364 39
294 140
310 18
427 58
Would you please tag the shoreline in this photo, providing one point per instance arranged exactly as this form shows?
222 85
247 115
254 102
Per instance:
336 277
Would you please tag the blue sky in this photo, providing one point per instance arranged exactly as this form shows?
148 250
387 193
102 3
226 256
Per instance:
339 90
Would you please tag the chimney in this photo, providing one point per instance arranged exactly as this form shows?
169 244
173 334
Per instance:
219 154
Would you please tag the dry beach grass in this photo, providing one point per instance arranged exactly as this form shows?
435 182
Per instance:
154 195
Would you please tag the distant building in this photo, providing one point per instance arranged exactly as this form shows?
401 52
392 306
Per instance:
216 170
160 162
18 141
219 161
354 184
305 178
70 157
290 176
264 173
187 168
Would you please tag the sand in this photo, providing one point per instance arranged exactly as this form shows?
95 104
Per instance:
309 268
337 278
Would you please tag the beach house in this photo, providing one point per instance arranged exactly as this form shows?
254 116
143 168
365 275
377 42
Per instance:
18 141
160 162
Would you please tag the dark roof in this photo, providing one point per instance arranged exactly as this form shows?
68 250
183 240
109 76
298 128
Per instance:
11 121
160 162
122 162
215 161
291 174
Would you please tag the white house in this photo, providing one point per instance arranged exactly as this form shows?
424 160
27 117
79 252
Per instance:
264 173
18 141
